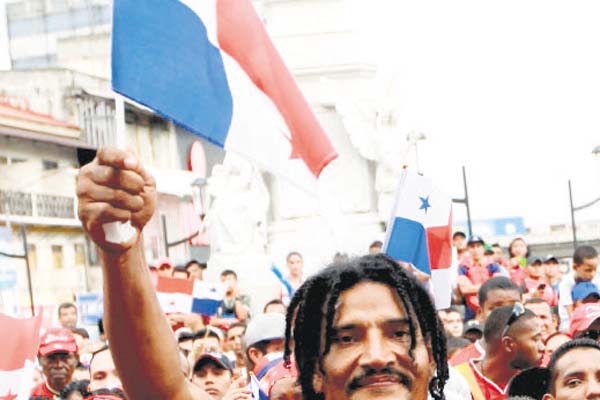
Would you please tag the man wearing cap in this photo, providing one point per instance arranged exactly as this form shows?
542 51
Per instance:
58 358
471 275
264 341
585 292
213 373
553 272
473 331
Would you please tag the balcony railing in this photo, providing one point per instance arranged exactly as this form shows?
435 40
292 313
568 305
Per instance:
36 205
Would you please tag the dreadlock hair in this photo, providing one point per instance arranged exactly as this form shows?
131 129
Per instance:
312 311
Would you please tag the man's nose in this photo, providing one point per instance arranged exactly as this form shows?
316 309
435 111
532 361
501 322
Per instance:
377 351
593 390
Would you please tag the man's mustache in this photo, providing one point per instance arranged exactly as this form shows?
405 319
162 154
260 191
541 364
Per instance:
361 380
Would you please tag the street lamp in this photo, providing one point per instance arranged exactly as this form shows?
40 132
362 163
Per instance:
413 138
596 153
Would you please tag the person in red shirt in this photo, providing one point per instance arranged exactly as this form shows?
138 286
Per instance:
513 342
472 275
518 253
58 358
497 292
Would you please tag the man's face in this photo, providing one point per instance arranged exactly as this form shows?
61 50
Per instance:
544 314
67 317
454 324
195 271
528 345
498 298
213 379
294 265
576 376
234 339
369 356
286 389
554 342
103 373
230 281
58 368
587 269
460 242
535 270
552 270
477 251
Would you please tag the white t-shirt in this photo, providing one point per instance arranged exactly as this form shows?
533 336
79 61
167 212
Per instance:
565 287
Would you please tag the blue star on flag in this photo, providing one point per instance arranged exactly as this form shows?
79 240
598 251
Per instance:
424 203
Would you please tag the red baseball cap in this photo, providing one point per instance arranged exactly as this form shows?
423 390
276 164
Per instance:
583 317
57 340
281 371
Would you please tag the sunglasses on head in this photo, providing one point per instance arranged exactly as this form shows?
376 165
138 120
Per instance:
591 334
517 311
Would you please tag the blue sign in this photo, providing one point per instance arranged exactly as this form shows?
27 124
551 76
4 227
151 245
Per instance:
513 226
90 307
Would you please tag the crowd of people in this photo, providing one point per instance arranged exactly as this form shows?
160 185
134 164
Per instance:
520 327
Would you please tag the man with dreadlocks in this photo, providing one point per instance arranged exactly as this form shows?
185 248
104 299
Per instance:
365 329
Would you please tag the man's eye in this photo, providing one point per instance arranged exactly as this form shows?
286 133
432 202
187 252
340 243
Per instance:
401 334
573 382
344 338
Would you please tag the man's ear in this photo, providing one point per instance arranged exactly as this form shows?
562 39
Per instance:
507 344
254 355
548 396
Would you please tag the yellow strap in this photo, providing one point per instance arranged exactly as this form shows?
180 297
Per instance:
467 373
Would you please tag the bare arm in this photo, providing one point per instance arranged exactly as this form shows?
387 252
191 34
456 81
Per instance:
114 187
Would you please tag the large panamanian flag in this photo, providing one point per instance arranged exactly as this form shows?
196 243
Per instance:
189 296
18 350
420 230
210 66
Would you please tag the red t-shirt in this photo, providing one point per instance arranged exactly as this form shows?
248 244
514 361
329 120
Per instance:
517 274
472 351
42 391
489 389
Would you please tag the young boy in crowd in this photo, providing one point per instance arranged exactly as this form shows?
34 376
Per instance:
585 264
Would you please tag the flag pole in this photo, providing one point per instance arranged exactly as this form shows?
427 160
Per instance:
119 232
388 228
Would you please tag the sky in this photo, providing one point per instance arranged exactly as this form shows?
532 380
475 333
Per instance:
510 90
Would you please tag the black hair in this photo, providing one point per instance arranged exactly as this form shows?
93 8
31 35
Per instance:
497 321
582 253
312 311
274 301
459 233
495 283
192 262
226 272
75 386
80 331
564 349
376 243
62 306
512 242
100 326
202 333
452 309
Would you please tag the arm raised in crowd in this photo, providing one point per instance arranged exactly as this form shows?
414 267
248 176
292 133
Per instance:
115 187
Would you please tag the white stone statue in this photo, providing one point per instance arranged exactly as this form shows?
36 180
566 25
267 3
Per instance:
371 124
238 202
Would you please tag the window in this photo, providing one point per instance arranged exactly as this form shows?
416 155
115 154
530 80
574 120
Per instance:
3 160
32 256
57 257
16 160
79 254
